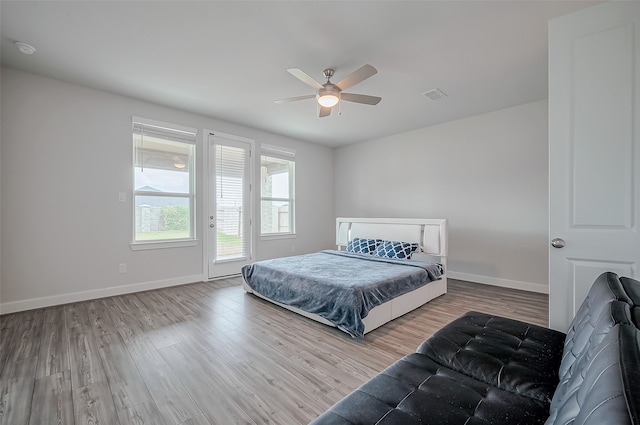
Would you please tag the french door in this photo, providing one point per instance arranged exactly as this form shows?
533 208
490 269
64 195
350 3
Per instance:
230 207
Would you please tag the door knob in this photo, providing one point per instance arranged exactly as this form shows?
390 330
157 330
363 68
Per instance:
557 243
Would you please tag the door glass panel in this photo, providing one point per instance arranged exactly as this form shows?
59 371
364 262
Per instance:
231 200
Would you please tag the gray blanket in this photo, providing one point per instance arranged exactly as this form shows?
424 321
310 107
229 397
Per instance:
339 286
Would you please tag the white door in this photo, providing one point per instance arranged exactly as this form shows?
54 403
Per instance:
594 151
230 207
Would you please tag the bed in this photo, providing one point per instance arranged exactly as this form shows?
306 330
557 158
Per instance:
351 288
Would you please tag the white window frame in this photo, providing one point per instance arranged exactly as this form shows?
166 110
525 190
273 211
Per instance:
288 155
190 139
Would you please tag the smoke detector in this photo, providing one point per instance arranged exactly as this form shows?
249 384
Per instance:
25 48
435 94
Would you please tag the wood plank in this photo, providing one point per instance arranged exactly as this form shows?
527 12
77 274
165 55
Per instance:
127 387
125 321
145 413
76 315
149 320
303 380
216 402
6 337
199 338
16 391
259 406
99 319
174 402
26 337
200 420
8 321
53 356
93 405
153 300
163 336
327 342
52 400
86 365
54 314
157 301
276 391
155 323
172 307
207 353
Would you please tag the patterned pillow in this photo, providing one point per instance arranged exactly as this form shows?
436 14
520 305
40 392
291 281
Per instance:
393 249
363 246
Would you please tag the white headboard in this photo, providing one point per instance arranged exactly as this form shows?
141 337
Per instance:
431 234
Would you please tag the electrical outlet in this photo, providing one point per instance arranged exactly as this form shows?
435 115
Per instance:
123 267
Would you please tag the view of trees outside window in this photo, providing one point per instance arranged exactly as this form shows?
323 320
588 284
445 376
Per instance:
161 217
163 192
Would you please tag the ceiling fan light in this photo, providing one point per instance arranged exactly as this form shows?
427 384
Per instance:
328 100
328 96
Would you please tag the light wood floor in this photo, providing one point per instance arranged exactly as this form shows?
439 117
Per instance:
207 353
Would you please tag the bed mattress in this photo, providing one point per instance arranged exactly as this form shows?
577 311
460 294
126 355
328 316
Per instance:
339 286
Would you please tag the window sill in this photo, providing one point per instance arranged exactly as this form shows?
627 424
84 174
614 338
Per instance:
142 246
276 236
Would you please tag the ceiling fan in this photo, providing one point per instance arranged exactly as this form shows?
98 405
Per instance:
329 94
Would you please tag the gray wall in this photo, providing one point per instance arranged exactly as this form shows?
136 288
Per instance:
67 152
488 175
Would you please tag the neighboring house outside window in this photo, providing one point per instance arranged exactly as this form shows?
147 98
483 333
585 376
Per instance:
277 191
164 183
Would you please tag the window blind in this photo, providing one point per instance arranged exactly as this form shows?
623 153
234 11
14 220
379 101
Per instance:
174 132
232 215
278 152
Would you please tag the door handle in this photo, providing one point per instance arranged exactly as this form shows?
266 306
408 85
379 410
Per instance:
558 243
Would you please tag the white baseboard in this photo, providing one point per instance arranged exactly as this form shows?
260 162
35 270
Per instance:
30 304
505 283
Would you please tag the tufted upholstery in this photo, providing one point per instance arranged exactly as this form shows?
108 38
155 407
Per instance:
417 390
631 289
607 287
482 369
594 383
614 313
508 354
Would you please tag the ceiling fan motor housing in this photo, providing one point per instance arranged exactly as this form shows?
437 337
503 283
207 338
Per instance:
329 89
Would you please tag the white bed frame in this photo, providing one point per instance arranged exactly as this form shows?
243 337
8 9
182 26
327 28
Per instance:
430 234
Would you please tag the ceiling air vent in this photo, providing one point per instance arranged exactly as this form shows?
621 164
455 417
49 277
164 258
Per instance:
435 94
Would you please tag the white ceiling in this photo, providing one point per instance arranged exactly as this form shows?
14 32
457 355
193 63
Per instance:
228 60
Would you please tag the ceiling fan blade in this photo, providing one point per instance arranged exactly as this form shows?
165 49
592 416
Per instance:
302 76
360 98
324 112
293 99
357 76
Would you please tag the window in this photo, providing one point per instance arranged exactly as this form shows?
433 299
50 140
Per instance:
277 176
232 199
164 186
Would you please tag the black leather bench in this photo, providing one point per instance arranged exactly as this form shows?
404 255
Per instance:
483 369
